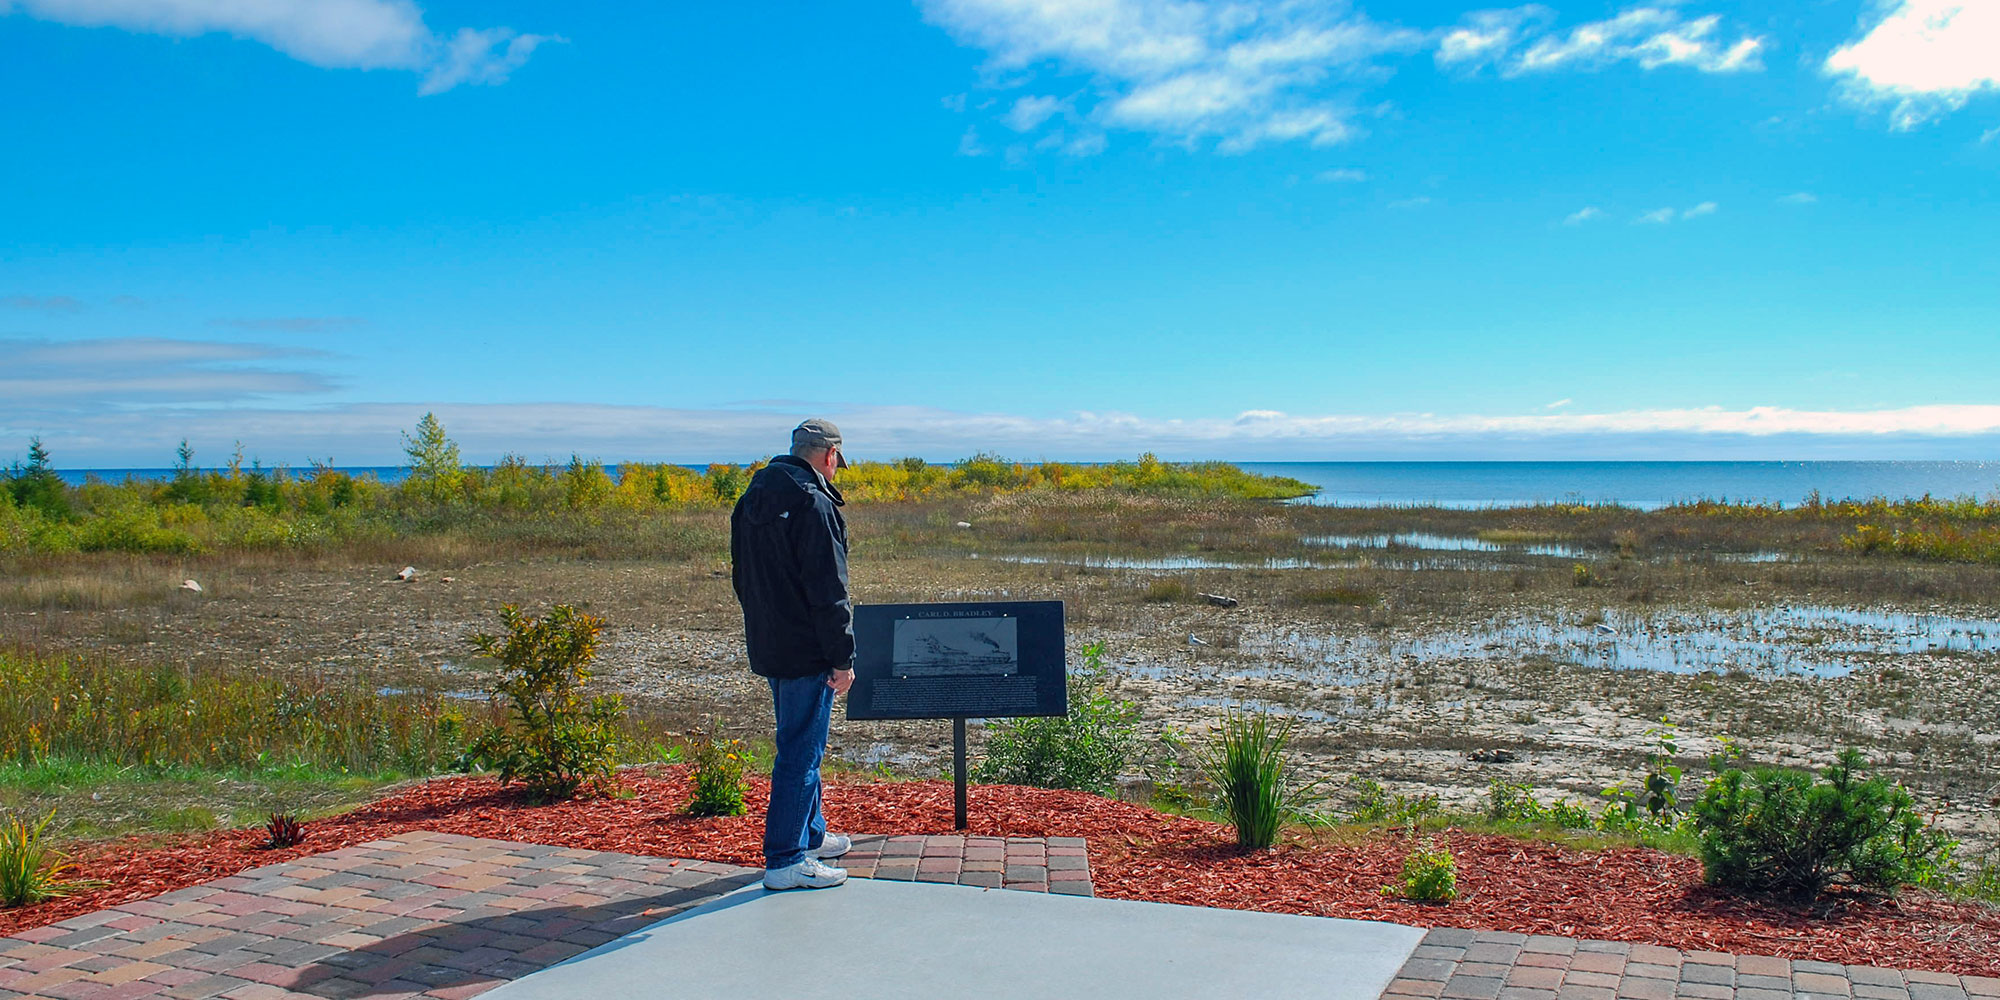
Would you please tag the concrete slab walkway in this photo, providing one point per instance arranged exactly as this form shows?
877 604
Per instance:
888 940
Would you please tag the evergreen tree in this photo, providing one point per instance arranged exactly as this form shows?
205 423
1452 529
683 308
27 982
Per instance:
435 472
36 484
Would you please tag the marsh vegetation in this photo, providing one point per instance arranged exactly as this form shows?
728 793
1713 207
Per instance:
1430 651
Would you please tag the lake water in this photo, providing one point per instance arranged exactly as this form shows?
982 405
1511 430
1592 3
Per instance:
1784 639
1645 485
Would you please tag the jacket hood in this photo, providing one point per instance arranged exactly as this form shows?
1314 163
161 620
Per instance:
788 484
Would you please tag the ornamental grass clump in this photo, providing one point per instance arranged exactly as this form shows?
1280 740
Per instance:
718 777
1772 830
284 830
30 870
1246 764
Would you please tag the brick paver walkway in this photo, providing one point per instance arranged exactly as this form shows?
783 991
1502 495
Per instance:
1491 965
1053 864
425 915
443 916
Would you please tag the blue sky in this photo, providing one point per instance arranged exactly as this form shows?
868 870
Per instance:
1273 229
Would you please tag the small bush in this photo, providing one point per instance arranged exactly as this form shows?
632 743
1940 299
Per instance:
1982 883
1512 803
1167 590
1779 831
558 745
719 766
1170 764
1659 805
1087 749
30 870
1246 764
1581 576
1374 804
1430 874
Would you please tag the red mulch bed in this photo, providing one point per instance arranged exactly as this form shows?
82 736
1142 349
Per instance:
1628 894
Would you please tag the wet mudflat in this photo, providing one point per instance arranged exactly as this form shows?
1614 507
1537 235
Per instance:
1423 638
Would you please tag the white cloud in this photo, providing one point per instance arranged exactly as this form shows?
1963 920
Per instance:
1990 135
1799 198
1341 176
1583 215
1662 216
293 324
333 34
1238 75
44 303
1029 113
1559 404
1928 57
1518 42
969 144
367 433
1486 35
1087 144
122 372
484 56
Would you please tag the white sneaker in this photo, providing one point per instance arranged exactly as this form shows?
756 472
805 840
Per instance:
807 874
835 845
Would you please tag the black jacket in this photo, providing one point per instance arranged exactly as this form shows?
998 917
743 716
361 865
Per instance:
788 547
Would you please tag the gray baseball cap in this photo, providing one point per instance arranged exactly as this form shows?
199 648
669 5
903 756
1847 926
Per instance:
819 433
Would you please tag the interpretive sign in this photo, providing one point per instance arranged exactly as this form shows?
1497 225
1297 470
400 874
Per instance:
958 661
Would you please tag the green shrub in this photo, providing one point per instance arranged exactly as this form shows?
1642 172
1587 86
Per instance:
719 766
1430 874
1581 576
30 870
1779 831
1167 590
1513 803
558 745
1982 883
1374 804
1246 764
1086 749
1659 804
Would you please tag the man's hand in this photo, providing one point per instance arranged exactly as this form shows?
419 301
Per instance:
840 681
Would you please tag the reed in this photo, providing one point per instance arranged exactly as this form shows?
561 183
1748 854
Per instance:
85 709
1246 764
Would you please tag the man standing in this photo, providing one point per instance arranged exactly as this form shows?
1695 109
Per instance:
788 544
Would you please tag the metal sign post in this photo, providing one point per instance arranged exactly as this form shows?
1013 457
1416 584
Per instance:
958 774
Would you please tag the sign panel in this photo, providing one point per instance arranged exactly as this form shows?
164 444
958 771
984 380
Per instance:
986 660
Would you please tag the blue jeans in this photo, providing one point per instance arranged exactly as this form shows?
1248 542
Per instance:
793 825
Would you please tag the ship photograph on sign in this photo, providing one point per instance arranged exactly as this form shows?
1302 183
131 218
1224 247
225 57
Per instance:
956 647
